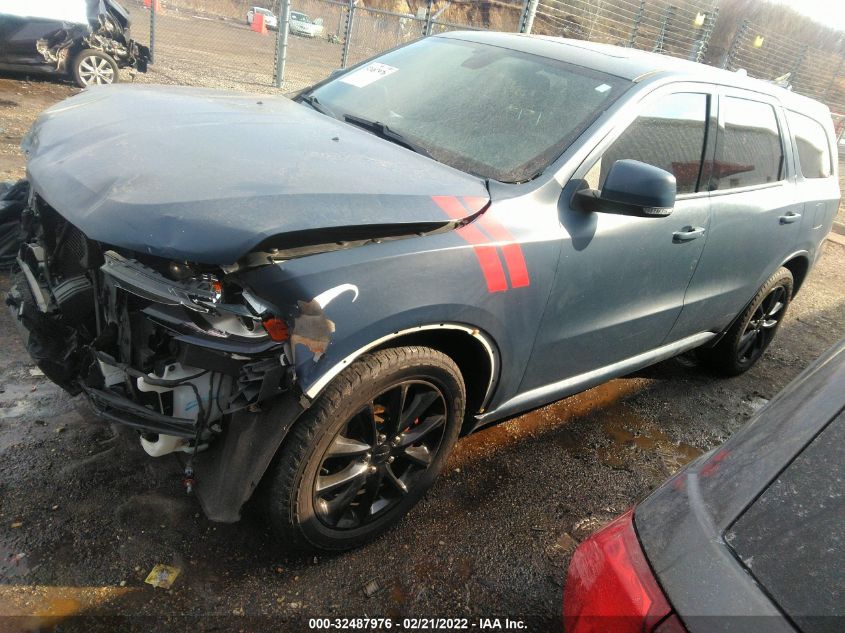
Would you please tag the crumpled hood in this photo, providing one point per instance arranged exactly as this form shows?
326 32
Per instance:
209 176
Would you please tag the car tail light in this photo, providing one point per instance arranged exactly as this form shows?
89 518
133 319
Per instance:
610 586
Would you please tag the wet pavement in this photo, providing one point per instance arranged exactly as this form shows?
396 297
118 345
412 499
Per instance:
85 514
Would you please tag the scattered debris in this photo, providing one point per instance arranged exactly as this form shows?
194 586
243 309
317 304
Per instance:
371 588
16 525
162 576
35 372
566 542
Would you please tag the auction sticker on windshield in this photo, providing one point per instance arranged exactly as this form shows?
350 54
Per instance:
368 74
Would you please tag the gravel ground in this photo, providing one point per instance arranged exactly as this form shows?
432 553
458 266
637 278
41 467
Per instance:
85 514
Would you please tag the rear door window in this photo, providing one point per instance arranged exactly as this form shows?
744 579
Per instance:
792 538
669 133
749 150
813 149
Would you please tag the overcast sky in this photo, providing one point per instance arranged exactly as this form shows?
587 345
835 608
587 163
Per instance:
829 12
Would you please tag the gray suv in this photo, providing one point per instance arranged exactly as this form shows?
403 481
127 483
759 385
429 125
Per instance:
321 294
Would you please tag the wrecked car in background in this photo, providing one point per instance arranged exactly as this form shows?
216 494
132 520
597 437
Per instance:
301 24
322 294
86 40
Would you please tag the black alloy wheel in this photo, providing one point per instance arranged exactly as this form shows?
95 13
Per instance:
366 450
375 460
761 327
753 330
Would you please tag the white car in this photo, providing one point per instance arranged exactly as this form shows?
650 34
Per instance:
301 24
270 20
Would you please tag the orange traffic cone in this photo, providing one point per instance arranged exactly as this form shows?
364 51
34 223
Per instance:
149 3
258 23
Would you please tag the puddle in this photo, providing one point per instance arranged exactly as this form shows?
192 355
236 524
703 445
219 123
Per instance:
628 431
36 607
19 399
485 442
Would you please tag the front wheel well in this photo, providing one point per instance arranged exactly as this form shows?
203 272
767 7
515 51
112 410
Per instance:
470 355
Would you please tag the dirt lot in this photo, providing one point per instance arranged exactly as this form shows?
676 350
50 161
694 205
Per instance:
85 514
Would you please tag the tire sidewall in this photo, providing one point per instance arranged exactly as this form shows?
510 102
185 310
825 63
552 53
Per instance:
783 277
322 536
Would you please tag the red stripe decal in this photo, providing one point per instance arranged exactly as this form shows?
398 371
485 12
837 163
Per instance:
488 258
512 251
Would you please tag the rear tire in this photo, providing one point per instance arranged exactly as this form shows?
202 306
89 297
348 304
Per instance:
753 331
367 450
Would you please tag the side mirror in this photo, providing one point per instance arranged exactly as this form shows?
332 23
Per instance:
633 188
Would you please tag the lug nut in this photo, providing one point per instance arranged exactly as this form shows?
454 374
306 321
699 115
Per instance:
372 469
368 457
397 439
381 437
390 460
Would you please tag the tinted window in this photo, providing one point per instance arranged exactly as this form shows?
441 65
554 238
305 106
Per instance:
792 539
483 109
669 134
749 151
813 150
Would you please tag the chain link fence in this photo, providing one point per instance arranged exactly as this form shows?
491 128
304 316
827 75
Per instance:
800 66
681 28
211 43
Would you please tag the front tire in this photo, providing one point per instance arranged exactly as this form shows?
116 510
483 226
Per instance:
93 68
367 450
753 331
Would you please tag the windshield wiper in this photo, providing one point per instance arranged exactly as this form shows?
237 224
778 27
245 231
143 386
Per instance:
381 130
314 103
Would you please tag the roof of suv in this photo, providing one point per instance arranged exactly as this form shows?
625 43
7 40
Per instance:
635 65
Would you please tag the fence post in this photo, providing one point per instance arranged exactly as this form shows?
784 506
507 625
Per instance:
347 36
833 78
429 17
282 42
153 6
526 23
661 38
793 72
735 44
635 28
704 40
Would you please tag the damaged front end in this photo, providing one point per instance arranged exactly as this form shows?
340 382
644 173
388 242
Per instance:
107 31
171 349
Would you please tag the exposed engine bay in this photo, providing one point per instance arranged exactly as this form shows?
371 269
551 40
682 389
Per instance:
166 347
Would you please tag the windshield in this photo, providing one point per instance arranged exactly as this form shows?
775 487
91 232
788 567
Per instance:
485 110
299 17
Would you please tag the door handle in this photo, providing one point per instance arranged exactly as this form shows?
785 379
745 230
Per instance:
790 217
689 233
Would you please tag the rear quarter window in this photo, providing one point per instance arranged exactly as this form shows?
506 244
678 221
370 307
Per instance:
749 150
813 148
792 538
